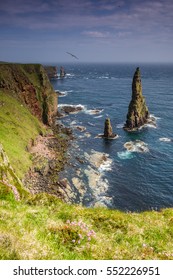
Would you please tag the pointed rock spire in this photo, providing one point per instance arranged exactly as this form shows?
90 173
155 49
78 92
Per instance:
138 112
62 72
108 133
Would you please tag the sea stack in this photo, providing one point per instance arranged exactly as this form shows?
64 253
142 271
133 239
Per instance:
138 112
108 133
62 72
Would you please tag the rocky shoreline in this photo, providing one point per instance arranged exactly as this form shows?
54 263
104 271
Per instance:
49 155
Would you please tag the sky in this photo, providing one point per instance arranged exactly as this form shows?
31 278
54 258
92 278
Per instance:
95 31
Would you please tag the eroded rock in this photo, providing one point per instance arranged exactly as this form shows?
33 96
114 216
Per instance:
137 112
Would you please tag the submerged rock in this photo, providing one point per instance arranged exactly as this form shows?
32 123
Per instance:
138 112
136 146
69 109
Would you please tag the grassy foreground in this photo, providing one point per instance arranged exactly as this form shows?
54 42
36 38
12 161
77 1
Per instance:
42 227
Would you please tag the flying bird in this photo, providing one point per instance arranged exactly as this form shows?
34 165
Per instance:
72 55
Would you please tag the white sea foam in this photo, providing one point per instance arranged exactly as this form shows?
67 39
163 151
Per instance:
165 139
69 75
154 117
120 125
63 93
93 111
136 146
103 77
73 123
125 155
98 117
91 124
105 166
73 106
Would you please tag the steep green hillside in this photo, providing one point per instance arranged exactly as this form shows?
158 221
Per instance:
17 127
29 83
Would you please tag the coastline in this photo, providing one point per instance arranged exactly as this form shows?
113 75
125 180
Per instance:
49 155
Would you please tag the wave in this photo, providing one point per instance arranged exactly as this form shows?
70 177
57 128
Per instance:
72 105
120 125
93 111
154 117
98 163
91 124
165 139
103 77
63 93
70 75
106 166
98 117
125 155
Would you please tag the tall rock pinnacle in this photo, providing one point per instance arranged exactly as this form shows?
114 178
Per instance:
108 133
138 112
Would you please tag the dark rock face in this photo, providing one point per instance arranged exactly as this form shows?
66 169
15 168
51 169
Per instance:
71 109
108 133
30 84
52 71
138 112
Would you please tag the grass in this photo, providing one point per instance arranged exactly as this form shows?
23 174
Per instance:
17 127
43 227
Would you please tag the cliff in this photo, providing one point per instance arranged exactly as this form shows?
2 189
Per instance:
30 84
32 147
137 112
52 71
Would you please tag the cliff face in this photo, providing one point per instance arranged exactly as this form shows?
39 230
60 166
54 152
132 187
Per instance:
52 71
138 112
30 84
7 173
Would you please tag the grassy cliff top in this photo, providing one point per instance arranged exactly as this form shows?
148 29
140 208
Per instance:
42 227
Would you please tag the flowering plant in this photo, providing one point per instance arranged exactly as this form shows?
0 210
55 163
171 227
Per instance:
77 233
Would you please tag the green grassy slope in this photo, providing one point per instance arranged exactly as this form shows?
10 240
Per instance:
17 127
42 227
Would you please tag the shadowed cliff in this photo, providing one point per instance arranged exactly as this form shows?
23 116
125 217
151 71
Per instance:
29 83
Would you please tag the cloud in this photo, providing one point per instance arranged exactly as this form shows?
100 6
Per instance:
96 34
114 22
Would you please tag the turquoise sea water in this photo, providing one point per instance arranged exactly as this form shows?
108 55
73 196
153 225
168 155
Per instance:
131 181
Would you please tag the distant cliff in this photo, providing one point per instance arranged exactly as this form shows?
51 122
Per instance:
30 84
52 71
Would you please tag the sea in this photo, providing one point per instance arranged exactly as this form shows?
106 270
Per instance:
104 172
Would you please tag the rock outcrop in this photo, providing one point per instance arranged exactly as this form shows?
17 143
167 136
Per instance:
138 112
7 174
62 72
108 133
52 71
30 84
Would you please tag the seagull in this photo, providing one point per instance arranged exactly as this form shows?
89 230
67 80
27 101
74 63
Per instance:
72 55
